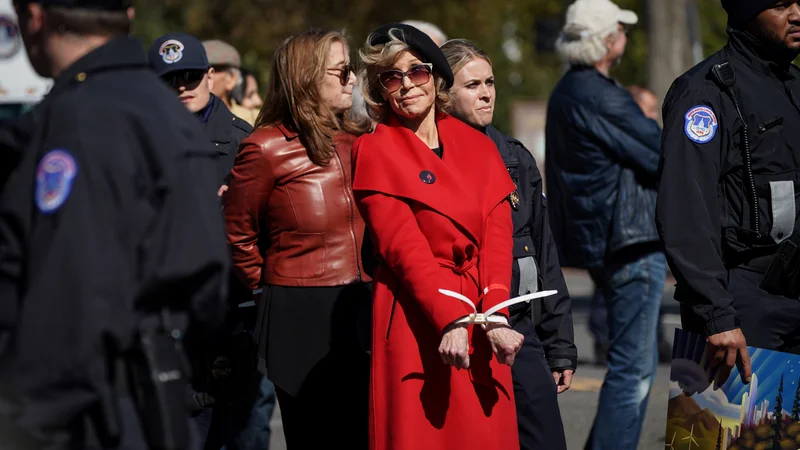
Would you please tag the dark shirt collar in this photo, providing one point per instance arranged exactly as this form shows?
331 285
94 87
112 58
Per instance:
119 52
754 53
205 114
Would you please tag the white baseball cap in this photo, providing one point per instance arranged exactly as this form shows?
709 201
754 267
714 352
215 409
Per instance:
589 17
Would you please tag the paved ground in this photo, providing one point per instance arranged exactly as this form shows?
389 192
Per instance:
579 403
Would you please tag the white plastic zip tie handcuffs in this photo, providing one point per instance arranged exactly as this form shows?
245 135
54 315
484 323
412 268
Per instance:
488 317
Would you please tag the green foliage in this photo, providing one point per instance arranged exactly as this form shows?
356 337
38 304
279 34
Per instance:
257 27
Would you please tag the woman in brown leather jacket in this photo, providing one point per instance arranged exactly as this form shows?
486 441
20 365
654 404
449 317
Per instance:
295 232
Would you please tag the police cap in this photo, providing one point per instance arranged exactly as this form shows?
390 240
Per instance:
418 41
107 5
177 51
740 11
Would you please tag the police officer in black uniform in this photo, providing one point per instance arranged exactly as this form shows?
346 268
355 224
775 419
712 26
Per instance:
181 61
730 184
112 251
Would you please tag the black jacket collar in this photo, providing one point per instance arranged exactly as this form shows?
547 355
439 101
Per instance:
220 123
759 56
120 52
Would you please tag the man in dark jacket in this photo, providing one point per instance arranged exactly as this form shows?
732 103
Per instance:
728 205
545 323
225 382
601 165
180 60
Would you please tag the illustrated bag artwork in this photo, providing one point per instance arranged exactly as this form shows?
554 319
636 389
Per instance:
764 414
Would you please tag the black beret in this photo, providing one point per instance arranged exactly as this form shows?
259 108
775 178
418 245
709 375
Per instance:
418 41
107 5
740 11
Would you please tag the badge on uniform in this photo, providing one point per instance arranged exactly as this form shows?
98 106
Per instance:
514 198
54 177
701 124
171 51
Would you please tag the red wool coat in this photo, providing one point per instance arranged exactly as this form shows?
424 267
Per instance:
435 224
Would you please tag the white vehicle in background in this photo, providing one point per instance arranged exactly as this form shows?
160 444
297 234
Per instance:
20 86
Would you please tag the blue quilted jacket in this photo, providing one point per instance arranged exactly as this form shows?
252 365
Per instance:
601 165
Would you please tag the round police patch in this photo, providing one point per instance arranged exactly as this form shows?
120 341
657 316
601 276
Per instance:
427 177
54 177
701 124
171 51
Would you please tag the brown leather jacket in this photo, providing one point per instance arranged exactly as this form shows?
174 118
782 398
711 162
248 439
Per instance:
291 222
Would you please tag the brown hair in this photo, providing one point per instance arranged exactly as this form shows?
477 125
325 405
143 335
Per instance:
86 22
292 97
377 58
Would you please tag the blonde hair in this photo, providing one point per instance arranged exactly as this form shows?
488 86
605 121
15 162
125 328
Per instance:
459 52
580 49
380 57
293 94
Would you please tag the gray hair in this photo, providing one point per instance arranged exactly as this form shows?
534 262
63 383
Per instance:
584 49
377 58
430 29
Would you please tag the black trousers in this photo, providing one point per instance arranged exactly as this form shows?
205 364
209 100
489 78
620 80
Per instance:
768 321
317 359
535 391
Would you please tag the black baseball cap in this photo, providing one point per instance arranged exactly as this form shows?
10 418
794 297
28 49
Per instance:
177 51
108 5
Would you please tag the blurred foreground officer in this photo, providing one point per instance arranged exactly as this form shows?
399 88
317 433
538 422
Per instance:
543 367
111 241
728 195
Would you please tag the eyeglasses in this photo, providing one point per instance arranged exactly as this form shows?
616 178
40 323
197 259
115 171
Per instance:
344 73
419 74
183 78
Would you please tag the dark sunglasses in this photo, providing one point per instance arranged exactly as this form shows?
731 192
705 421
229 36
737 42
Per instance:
344 74
419 74
183 78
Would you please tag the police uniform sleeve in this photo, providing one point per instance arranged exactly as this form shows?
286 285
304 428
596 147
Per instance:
241 130
555 328
688 209
104 230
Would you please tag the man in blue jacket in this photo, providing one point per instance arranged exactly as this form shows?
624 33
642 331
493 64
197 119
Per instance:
601 166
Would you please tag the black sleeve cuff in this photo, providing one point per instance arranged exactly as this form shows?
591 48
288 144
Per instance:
560 364
721 324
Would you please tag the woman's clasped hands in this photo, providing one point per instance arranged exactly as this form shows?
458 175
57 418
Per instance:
504 341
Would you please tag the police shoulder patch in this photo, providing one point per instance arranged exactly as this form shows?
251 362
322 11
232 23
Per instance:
54 177
700 124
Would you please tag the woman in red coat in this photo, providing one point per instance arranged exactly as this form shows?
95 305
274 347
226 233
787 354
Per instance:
433 192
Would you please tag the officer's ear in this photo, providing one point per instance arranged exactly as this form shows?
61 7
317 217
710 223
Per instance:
31 18
210 79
